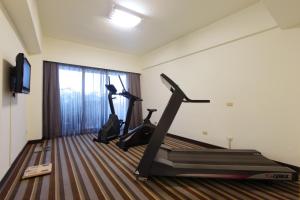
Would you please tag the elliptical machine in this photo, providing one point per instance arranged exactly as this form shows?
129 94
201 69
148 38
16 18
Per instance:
111 129
142 133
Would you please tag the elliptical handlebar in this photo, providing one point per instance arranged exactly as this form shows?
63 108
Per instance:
127 94
122 83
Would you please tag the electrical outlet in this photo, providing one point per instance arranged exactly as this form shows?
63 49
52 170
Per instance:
229 104
204 132
229 138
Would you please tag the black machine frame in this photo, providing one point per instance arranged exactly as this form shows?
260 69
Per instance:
132 100
160 160
111 129
141 134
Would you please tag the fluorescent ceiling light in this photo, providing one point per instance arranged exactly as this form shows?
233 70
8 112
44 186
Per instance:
135 6
124 19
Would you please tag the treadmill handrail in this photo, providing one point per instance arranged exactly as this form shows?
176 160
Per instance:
195 101
174 87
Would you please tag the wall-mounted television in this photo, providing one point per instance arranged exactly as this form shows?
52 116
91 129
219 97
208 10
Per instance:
20 75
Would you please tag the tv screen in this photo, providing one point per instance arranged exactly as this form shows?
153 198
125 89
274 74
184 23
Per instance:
20 75
26 76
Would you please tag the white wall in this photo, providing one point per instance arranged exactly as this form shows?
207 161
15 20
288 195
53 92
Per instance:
34 103
71 53
244 59
75 53
12 110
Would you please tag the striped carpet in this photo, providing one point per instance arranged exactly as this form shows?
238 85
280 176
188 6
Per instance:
83 169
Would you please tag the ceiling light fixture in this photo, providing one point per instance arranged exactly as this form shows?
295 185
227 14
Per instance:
124 18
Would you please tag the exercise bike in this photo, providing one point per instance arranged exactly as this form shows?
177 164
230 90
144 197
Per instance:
142 133
139 135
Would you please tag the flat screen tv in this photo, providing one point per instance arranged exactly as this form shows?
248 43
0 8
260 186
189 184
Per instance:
20 75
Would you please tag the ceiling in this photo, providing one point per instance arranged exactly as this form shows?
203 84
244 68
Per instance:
85 21
286 14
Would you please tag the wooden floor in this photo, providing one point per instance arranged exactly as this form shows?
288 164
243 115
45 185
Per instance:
83 169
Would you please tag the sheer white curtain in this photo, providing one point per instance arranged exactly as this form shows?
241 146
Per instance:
83 97
70 83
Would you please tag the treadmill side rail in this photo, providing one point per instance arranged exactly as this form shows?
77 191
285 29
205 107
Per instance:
164 167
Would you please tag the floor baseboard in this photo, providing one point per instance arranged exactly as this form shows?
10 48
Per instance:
203 144
35 141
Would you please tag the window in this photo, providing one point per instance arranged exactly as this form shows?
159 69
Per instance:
83 98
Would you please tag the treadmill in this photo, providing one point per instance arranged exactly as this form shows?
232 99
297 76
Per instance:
162 160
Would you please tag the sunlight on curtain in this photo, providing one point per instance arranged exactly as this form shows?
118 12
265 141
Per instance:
70 82
83 97
95 104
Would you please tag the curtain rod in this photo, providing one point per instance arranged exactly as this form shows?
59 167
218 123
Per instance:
113 70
